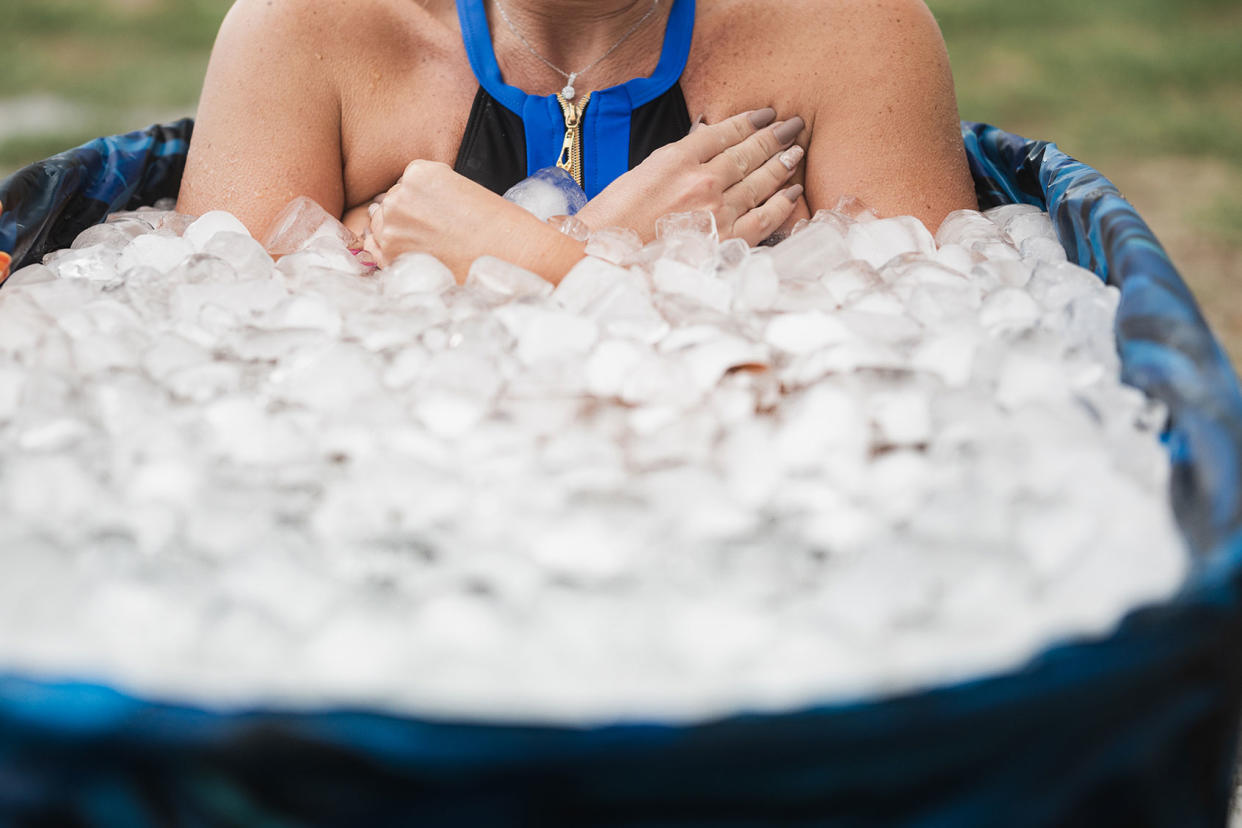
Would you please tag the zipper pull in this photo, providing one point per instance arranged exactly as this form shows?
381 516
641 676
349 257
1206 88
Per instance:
570 158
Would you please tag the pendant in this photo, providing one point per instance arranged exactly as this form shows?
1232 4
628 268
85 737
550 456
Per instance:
568 91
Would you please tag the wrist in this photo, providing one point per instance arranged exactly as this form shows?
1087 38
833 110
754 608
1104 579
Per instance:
544 250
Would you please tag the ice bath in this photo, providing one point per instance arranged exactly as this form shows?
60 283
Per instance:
691 479
455 514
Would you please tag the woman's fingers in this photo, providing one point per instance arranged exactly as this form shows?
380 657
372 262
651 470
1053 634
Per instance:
709 140
735 163
765 219
758 186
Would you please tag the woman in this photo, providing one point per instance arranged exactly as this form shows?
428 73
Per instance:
347 100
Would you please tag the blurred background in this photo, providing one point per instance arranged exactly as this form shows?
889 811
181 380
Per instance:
1147 91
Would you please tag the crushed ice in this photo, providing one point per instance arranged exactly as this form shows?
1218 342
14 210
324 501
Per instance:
692 478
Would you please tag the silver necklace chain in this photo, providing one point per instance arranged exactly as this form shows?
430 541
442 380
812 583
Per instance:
571 77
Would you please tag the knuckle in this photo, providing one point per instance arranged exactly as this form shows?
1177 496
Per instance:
737 158
753 195
680 158
663 154
704 188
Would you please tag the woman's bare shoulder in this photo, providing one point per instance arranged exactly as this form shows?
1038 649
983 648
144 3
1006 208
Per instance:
811 29
812 51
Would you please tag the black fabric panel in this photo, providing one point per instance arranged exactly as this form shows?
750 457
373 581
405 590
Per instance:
657 123
493 150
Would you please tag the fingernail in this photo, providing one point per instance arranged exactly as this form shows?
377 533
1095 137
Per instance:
371 210
792 156
792 193
786 131
698 122
762 117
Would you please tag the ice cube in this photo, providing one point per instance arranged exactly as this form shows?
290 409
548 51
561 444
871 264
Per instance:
162 253
320 259
627 311
853 209
1005 213
755 284
879 302
850 279
209 224
499 281
449 414
752 465
611 364
581 548
169 353
877 242
299 223
587 283
12 380
306 311
1028 225
968 228
1030 377
656 381
902 417
204 382
614 244
112 237
955 257
698 223
334 379
241 251
243 431
547 334
415 273
551 191
59 298
732 253
1042 249
708 361
571 226
824 420
705 287
810 253
1008 309
1055 285
406 366
98 352
29 275
949 355
801 333
96 264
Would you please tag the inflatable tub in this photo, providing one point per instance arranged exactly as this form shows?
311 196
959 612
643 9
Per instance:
1134 729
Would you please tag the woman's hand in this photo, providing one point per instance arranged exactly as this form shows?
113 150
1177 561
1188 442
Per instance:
737 169
432 209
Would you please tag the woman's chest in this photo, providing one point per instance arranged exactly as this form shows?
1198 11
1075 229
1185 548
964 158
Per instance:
415 102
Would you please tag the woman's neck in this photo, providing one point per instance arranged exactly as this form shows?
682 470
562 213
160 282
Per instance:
571 34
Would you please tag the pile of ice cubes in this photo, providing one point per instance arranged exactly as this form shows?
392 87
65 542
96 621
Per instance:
692 478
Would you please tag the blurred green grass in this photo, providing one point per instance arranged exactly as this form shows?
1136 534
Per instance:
113 60
1147 91
1113 82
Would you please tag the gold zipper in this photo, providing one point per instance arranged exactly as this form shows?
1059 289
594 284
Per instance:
570 158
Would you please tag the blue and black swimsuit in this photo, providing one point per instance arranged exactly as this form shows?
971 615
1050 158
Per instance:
511 134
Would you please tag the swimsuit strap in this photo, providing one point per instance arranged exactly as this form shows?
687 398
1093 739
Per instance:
606 123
